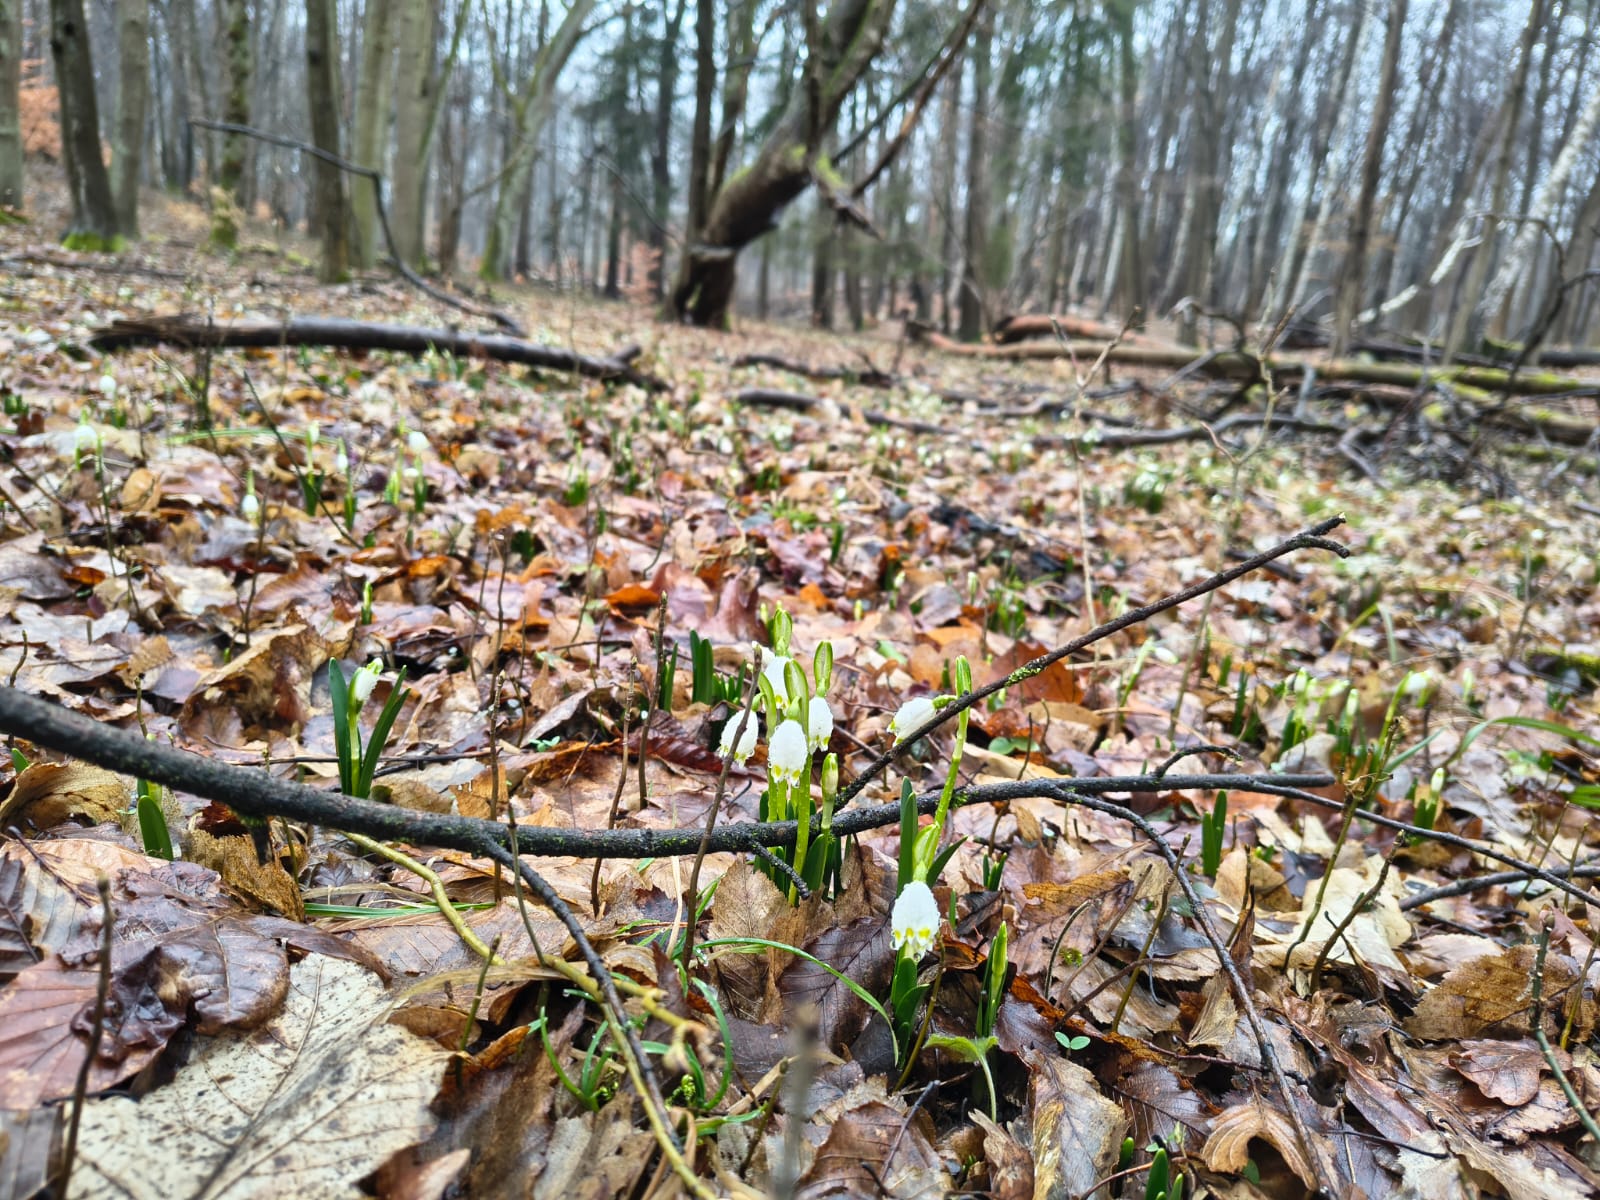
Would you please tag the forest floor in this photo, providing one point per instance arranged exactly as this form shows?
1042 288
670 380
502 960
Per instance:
530 561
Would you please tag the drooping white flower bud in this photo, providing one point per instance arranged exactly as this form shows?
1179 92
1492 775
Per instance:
417 442
362 683
772 669
788 756
913 715
914 924
250 507
747 737
819 723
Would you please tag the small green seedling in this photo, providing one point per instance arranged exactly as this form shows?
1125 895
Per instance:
152 821
1212 826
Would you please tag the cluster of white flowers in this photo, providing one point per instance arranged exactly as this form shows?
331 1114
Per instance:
791 746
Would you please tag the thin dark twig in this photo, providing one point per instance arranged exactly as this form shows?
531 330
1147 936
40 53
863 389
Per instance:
1537 1007
417 281
745 716
1242 991
1309 539
772 860
97 1030
618 1016
1178 756
1479 883
250 791
1555 879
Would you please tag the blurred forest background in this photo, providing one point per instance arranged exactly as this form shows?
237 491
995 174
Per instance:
1428 166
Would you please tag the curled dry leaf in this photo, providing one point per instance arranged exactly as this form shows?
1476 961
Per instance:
1490 994
1077 1132
875 1150
305 1106
1228 1148
46 794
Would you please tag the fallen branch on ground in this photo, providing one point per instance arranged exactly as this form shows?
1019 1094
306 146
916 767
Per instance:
1093 439
187 329
1021 327
1234 365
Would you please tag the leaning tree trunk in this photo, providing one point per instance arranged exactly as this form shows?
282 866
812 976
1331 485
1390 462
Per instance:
94 217
322 77
749 202
10 117
133 98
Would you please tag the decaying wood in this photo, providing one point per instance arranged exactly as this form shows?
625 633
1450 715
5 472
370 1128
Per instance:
1090 439
868 376
1232 364
1022 327
187 329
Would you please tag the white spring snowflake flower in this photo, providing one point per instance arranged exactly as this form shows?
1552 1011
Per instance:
819 723
914 924
788 757
85 437
773 670
747 737
107 386
341 462
913 715
250 507
362 683
417 442
313 434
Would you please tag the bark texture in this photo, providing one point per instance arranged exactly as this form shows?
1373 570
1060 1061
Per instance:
94 217
749 202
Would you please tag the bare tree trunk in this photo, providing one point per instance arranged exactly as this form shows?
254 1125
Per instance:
1292 266
94 217
236 101
323 93
10 119
705 89
374 91
1352 279
1131 267
1525 243
133 102
822 270
660 152
971 324
421 83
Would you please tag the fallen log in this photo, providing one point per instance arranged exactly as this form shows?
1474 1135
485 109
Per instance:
1090 439
868 376
1021 327
187 329
1234 365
